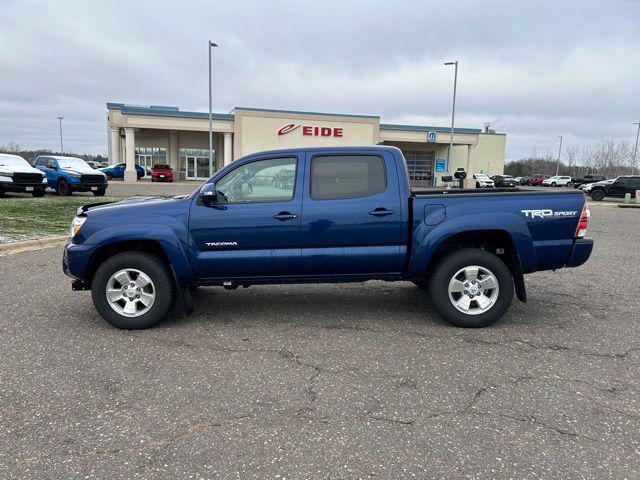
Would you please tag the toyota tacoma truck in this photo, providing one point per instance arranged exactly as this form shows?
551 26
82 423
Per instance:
346 215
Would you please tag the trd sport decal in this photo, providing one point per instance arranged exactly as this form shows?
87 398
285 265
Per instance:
547 212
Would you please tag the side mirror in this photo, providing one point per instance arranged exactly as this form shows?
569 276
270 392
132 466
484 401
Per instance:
208 194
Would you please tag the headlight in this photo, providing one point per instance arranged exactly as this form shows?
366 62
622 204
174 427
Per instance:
6 174
74 175
75 225
44 179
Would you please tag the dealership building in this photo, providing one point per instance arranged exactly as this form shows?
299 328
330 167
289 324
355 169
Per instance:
154 134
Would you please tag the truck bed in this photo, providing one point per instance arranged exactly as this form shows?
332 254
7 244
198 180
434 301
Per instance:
430 191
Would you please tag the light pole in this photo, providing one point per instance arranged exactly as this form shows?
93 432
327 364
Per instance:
635 150
559 151
60 122
211 44
453 110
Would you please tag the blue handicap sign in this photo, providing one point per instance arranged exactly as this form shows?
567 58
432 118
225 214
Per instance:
441 164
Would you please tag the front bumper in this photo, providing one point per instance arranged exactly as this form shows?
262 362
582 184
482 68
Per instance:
580 252
75 260
22 187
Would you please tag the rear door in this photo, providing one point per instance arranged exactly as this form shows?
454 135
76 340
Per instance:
619 188
351 215
254 228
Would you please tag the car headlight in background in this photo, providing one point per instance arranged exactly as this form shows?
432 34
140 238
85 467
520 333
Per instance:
74 175
76 223
44 179
6 176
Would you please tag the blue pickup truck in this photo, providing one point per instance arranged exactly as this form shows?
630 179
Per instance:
343 215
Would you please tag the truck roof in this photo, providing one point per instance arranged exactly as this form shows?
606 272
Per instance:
346 149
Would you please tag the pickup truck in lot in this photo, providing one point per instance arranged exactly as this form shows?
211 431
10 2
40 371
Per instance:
347 215
69 174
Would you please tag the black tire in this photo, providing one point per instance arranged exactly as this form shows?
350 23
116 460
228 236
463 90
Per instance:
597 195
553 184
155 269
38 192
477 184
109 176
100 192
569 185
63 188
452 263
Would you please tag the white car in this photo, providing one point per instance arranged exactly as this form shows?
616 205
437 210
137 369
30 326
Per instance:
557 181
482 181
17 175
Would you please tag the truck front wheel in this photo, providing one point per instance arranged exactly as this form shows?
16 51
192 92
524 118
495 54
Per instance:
471 288
133 290
597 195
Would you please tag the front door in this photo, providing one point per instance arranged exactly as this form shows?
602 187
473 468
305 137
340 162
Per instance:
352 216
253 230
198 168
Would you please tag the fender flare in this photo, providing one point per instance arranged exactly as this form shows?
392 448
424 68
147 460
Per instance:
165 236
426 239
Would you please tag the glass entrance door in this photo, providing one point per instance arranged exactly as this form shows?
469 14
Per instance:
198 168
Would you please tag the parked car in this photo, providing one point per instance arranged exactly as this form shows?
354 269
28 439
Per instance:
617 188
483 181
17 175
503 181
161 173
535 180
468 253
69 174
588 178
557 181
93 164
117 171
586 187
524 180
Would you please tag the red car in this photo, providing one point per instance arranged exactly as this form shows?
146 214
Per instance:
536 180
161 173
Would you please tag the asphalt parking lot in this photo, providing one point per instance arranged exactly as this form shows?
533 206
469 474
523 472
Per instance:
324 381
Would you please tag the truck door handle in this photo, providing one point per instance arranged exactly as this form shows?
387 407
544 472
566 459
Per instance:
283 216
381 212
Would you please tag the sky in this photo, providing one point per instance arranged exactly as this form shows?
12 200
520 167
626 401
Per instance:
535 70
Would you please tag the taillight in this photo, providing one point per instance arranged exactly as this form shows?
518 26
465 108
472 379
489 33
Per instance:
581 230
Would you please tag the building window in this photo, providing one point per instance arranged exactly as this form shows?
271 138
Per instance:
420 167
147 157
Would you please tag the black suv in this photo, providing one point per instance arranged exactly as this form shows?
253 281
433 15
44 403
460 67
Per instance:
619 188
587 179
504 181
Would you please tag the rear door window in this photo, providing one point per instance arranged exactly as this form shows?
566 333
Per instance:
347 176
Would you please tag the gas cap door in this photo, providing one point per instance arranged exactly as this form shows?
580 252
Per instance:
434 214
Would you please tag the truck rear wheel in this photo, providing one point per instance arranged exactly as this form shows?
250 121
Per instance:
597 195
133 290
471 288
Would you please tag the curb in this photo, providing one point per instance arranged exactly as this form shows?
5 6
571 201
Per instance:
27 245
629 205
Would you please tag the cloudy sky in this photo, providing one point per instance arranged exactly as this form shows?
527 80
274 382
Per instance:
534 69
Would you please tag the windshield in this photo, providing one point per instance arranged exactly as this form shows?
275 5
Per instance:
72 163
12 161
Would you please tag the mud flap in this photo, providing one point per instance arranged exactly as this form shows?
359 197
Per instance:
518 279
184 293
